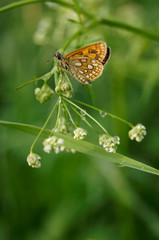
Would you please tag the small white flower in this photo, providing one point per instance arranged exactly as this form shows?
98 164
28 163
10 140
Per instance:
60 141
62 148
43 94
138 132
63 87
79 133
47 148
102 139
34 160
62 126
109 143
70 150
53 144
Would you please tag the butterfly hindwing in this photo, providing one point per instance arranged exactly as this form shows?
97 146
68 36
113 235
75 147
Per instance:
85 68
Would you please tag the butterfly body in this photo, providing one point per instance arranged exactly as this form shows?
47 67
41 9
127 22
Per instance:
87 63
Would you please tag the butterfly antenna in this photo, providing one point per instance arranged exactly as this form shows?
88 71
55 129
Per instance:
50 60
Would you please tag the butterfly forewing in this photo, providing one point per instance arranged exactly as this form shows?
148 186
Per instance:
95 51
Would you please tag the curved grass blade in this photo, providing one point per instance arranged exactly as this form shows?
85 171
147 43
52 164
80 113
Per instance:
85 147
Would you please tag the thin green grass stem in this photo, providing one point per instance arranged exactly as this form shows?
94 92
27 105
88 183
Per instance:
107 113
85 120
42 129
69 115
58 115
88 116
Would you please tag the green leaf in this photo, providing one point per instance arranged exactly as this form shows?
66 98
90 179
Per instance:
73 21
85 147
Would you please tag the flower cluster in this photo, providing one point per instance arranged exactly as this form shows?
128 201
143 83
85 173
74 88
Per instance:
79 133
33 160
63 127
44 94
138 132
109 143
63 88
53 144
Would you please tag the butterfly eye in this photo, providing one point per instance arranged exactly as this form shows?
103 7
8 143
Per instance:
58 55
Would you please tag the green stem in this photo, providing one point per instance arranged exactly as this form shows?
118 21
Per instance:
58 115
49 74
109 114
27 83
74 36
68 81
129 28
88 116
42 129
44 77
22 3
85 120
79 32
56 73
70 115
104 21
78 11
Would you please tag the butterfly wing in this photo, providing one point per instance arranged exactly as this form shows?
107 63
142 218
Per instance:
87 63
85 69
107 56
95 51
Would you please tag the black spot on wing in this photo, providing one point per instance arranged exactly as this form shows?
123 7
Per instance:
97 56
80 53
92 51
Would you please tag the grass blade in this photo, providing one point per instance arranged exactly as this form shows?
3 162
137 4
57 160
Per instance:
85 147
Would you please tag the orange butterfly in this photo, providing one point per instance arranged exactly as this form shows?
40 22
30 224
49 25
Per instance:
87 63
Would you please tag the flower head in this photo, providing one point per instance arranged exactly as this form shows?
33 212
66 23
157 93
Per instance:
43 94
138 132
53 144
79 133
109 143
63 87
33 160
63 126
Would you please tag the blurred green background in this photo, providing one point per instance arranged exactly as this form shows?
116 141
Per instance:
73 196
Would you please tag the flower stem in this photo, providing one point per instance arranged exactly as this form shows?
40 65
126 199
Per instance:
88 116
70 115
42 129
58 115
44 77
29 82
85 120
109 114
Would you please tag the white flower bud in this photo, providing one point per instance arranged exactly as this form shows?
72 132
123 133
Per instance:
109 143
34 160
53 144
102 139
138 132
43 94
79 133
